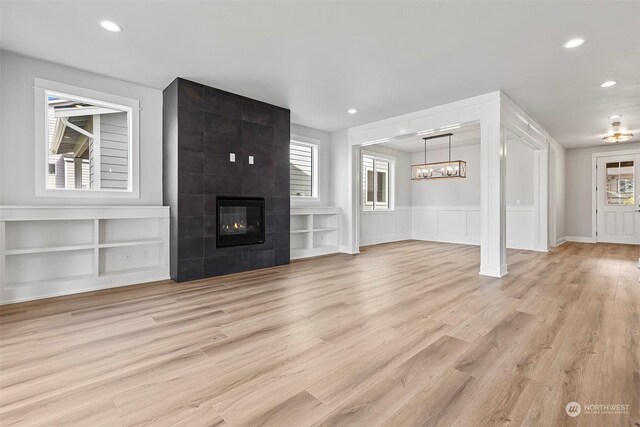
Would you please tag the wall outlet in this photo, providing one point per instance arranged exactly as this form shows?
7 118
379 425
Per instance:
250 160
517 202
232 157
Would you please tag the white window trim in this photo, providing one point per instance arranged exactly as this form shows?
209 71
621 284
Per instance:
315 168
131 106
391 178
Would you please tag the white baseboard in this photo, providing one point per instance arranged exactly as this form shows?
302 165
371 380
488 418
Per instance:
561 241
447 239
579 239
384 239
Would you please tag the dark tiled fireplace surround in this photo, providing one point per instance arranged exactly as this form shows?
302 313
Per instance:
202 127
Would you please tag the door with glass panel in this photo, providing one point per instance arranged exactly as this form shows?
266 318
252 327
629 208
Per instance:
617 199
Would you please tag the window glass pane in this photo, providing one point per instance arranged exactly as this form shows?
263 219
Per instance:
620 183
381 195
301 170
370 185
88 145
375 183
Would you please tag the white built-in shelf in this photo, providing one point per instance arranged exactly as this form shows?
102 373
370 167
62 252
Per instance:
131 243
59 250
44 249
314 231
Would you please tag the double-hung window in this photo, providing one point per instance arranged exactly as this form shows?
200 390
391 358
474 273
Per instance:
376 187
303 159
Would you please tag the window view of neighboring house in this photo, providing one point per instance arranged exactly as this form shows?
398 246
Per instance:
88 146
303 169
375 183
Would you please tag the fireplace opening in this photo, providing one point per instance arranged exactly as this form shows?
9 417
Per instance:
240 221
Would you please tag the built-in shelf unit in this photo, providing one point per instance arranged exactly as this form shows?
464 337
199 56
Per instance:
314 232
51 251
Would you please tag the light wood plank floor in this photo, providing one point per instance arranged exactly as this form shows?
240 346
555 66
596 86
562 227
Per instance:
403 334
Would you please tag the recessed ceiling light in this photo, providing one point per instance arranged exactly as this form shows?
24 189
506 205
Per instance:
615 116
570 44
609 83
352 111
110 26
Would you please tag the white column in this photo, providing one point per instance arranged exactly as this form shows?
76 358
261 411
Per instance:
541 199
493 252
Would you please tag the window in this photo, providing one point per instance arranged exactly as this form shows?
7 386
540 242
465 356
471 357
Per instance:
375 183
303 159
87 143
620 183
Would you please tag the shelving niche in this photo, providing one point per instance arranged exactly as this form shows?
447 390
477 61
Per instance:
51 251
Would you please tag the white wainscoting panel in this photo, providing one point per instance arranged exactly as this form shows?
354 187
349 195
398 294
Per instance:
461 224
385 226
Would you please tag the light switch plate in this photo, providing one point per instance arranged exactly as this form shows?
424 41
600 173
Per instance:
250 160
232 157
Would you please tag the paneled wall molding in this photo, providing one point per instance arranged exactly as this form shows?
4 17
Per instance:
386 226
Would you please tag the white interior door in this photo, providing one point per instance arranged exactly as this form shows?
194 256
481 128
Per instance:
617 199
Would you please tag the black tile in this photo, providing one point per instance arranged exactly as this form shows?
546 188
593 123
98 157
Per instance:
283 240
269 205
258 112
270 223
220 165
222 134
269 243
258 141
220 265
189 183
210 226
190 161
190 204
190 95
282 120
212 250
222 185
190 119
282 256
190 226
257 185
260 259
190 270
282 205
222 105
283 223
189 140
209 205
189 248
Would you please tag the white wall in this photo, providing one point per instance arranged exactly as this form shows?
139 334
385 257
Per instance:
449 192
324 166
340 184
389 226
578 188
17 142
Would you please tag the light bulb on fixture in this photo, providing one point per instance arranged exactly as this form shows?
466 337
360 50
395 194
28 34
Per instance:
617 134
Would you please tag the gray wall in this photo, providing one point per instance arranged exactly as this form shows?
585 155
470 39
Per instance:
578 187
17 133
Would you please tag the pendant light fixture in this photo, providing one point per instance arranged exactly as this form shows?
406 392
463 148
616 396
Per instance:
617 135
449 169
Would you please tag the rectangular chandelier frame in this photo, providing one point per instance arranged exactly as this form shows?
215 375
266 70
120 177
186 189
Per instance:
438 170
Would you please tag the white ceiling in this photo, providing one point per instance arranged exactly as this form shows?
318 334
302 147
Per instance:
383 58
466 134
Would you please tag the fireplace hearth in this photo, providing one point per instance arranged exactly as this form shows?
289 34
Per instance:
240 221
